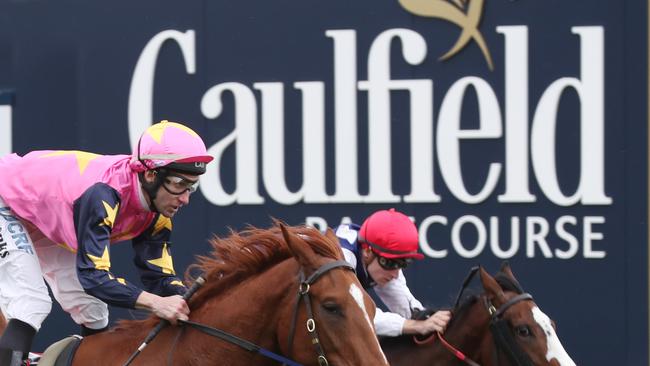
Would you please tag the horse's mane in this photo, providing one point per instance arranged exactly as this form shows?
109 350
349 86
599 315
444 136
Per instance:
251 251
244 254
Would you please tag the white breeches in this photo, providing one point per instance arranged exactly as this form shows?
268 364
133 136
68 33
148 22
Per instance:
23 265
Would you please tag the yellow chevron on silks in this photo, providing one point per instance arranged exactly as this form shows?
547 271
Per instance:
165 262
111 212
464 13
83 158
162 223
102 263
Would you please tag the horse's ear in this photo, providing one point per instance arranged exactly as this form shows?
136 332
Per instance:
492 288
506 270
299 249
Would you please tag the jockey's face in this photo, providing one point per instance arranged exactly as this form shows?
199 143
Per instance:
379 274
168 199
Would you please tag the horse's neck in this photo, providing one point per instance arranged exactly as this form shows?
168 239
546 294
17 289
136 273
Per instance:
247 310
250 310
467 331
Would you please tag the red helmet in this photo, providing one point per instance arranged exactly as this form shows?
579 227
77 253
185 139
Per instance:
391 234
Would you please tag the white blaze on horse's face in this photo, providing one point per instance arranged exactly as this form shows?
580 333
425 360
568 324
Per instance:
554 347
357 295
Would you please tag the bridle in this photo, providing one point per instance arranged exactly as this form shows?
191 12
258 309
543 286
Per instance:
303 294
503 339
501 333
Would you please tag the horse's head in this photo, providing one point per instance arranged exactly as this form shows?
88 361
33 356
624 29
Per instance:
336 314
524 335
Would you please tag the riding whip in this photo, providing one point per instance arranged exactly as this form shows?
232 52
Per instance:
163 323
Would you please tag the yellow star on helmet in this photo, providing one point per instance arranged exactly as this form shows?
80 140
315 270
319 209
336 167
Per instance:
111 212
164 262
102 263
83 158
156 131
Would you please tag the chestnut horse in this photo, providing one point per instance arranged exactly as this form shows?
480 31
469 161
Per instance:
501 326
251 292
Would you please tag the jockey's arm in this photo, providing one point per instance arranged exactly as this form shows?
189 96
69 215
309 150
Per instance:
400 301
397 296
153 258
435 323
170 308
94 214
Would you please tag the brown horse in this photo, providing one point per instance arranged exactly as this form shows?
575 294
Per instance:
251 292
501 326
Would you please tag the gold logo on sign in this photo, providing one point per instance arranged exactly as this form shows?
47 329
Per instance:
464 13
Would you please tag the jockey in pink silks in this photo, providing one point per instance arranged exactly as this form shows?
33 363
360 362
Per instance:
61 210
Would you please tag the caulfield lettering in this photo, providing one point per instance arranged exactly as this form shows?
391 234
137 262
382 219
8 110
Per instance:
524 147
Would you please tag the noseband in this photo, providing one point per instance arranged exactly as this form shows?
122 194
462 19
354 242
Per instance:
303 294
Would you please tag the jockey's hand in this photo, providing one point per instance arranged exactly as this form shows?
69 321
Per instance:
170 308
435 323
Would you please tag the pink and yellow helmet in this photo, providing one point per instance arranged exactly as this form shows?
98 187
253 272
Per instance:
173 146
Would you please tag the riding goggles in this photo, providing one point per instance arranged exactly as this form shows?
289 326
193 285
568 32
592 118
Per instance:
175 184
391 264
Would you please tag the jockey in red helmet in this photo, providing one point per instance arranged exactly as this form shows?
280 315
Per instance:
67 207
380 248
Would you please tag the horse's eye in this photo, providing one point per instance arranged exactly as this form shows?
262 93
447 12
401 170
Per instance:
332 308
523 331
